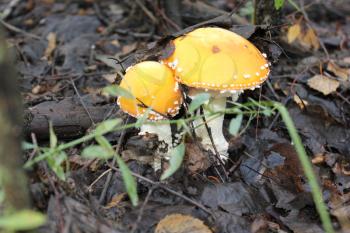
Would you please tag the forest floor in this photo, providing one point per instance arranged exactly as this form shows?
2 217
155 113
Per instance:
63 51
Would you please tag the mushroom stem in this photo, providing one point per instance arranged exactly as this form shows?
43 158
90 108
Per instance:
163 131
215 124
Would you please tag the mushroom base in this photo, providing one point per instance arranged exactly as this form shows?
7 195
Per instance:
163 131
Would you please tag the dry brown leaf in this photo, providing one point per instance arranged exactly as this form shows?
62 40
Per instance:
116 199
323 84
293 33
197 160
310 39
338 71
318 159
37 89
51 38
110 77
300 102
178 223
115 43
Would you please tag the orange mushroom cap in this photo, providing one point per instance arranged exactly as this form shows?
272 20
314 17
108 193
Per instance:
153 85
217 59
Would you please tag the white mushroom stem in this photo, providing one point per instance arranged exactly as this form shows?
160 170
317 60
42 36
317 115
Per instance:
215 124
163 131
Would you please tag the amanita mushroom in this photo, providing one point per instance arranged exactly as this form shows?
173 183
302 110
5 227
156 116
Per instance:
153 85
221 62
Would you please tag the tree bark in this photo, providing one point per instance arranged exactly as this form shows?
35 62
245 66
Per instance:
12 177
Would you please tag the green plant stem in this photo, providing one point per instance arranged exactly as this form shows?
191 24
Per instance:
307 167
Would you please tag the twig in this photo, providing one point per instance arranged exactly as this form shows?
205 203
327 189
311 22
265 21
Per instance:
81 101
160 185
97 179
8 9
18 30
139 216
146 11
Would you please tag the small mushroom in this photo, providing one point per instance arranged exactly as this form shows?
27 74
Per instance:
154 87
222 63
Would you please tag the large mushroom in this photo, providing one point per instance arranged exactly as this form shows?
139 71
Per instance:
221 63
153 87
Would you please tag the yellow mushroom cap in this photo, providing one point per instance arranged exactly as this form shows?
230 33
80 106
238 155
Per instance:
217 59
153 85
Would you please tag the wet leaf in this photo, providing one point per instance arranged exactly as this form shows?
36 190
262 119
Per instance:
22 220
235 124
94 151
176 157
197 101
129 181
323 84
115 90
178 223
293 33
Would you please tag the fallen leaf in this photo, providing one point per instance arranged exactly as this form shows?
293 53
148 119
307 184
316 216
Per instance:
310 39
115 43
51 38
342 213
300 102
116 199
338 71
318 159
293 33
323 84
196 160
178 223
109 77
37 89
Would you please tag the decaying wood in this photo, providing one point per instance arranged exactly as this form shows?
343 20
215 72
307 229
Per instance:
68 117
12 177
